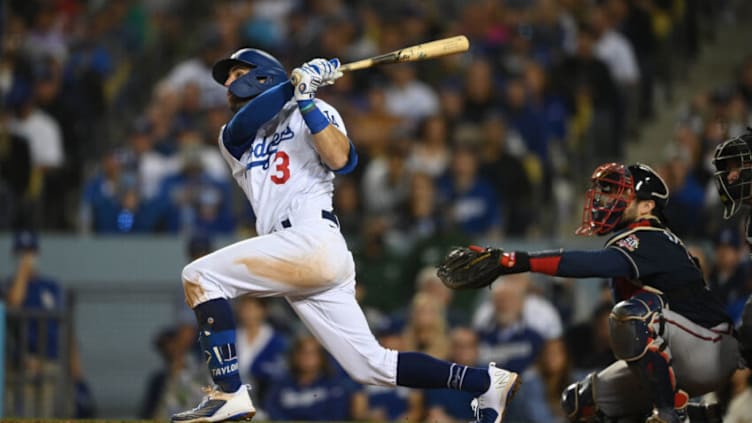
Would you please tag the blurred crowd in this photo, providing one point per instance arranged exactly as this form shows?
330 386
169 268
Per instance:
110 114
710 117
110 117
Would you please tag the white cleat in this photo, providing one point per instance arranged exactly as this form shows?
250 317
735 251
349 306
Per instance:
218 406
491 405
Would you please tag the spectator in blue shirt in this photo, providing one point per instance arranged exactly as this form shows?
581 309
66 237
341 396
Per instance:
36 349
30 290
196 201
472 202
261 349
529 122
112 202
729 276
684 211
399 403
508 340
445 405
41 356
312 390
540 392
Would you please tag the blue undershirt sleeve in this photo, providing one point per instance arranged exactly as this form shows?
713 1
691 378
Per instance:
606 263
240 131
352 161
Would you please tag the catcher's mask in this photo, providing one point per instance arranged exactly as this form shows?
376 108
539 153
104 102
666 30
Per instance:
611 191
733 176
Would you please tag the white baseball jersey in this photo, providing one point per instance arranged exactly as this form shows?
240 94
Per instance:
282 173
306 261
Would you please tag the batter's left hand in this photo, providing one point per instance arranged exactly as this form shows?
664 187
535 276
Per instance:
312 75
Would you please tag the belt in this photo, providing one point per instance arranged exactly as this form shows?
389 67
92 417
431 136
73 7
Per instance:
325 214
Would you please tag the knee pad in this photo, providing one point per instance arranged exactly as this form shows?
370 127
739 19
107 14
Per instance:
632 325
578 401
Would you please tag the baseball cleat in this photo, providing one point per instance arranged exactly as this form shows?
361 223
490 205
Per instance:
218 406
491 405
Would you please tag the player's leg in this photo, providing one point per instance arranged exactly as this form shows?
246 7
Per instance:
704 359
270 265
636 334
337 321
612 395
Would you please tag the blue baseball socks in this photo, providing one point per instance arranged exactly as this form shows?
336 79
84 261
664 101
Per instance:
216 326
418 370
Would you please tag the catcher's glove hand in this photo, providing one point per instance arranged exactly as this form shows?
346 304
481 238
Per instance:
470 267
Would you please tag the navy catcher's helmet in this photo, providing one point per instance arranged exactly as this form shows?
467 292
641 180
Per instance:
648 185
613 187
266 72
733 176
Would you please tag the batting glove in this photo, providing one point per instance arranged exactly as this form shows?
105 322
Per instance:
312 75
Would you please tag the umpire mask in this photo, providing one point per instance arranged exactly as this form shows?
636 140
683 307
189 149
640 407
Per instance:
733 176
610 193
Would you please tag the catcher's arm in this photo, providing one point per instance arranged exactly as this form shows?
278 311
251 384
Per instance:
476 267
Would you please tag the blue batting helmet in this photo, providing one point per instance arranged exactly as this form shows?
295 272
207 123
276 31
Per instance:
266 72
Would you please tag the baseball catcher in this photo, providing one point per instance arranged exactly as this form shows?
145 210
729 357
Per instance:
672 338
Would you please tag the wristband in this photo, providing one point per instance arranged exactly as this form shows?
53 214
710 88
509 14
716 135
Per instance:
546 262
312 116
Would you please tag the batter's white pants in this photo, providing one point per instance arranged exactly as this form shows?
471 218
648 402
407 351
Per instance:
308 264
703 360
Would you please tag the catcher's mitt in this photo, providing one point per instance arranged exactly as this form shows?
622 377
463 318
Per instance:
470 267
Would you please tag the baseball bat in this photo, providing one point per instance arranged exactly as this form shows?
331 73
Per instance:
425 51
429 50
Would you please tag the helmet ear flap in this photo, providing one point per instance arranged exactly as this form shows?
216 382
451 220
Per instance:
247 86
265 72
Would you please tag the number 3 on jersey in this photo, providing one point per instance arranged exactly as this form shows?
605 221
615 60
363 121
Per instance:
282 168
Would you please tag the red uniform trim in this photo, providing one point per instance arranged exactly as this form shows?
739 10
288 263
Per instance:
548 265
697 335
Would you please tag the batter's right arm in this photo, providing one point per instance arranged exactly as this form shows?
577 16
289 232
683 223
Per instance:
241 129
332 145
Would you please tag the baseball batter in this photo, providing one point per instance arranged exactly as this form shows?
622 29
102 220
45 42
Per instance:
672 337
284 148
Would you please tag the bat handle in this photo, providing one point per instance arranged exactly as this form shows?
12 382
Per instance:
295 78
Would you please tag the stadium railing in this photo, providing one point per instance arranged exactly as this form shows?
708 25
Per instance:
36 380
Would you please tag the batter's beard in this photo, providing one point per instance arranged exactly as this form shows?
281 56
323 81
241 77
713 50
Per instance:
236 103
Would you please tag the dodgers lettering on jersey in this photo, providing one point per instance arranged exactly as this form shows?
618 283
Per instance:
263 151
282 174
660 260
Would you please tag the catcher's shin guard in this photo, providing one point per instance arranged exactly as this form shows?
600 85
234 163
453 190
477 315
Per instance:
636 327
578 401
